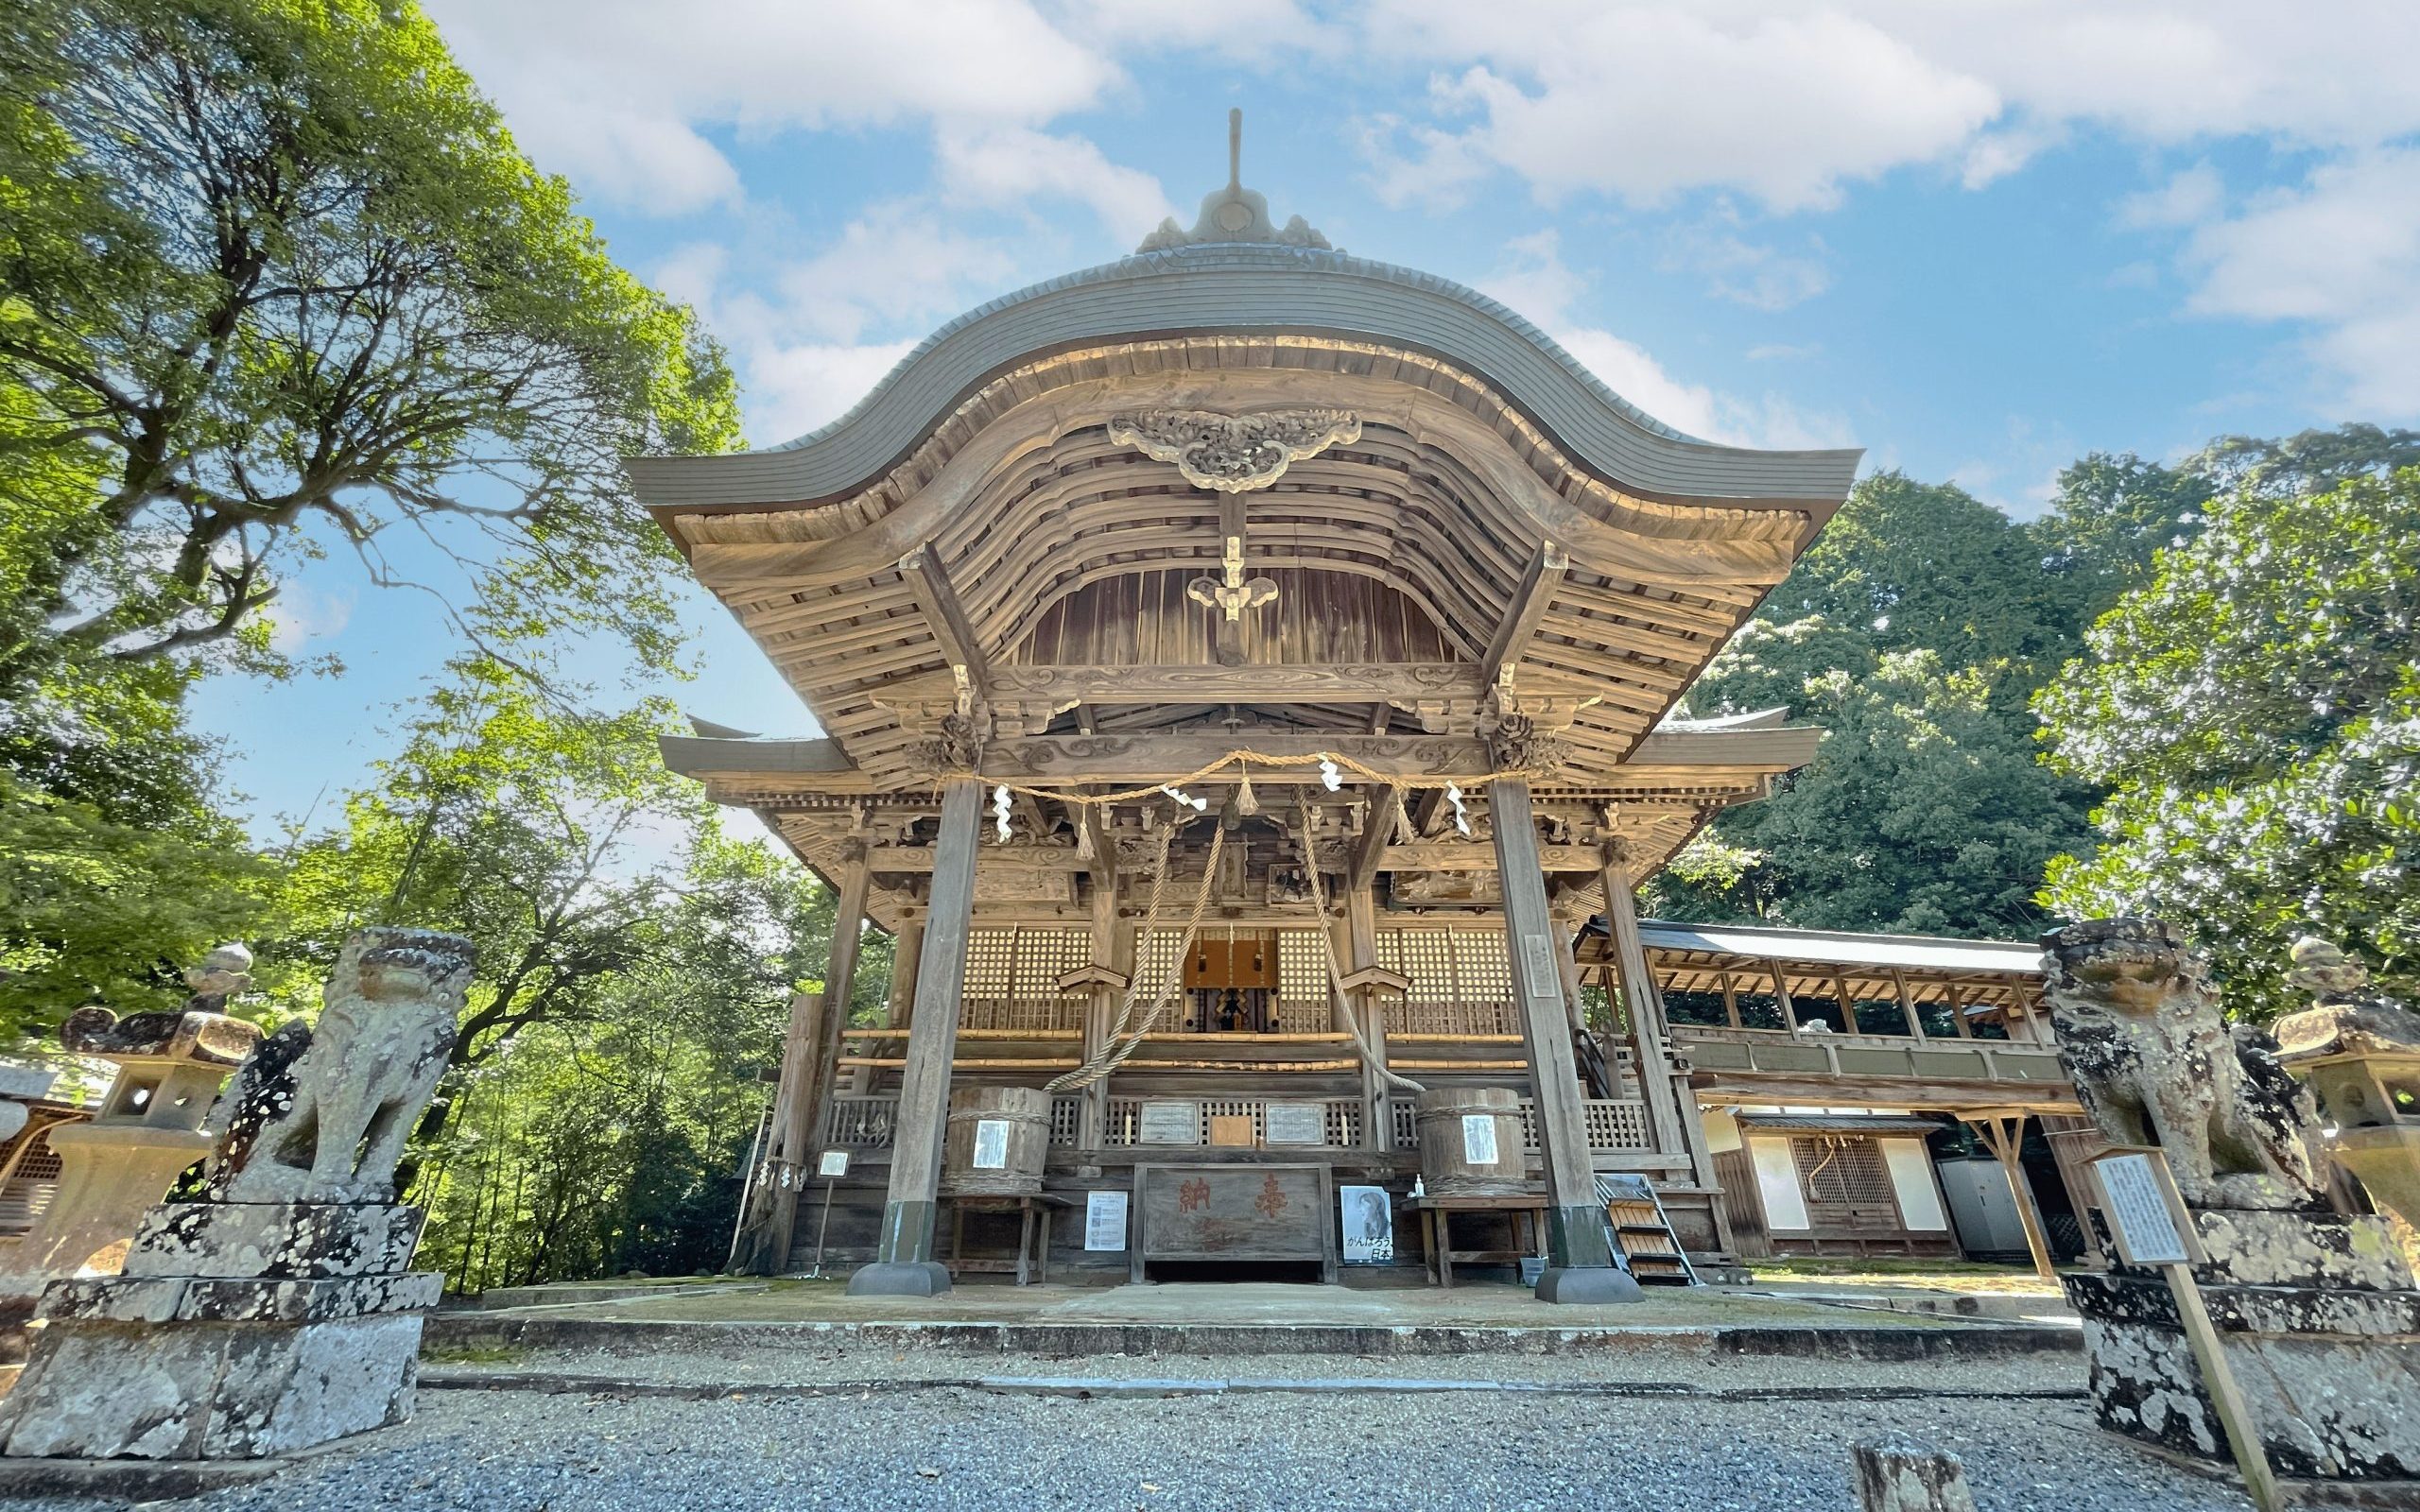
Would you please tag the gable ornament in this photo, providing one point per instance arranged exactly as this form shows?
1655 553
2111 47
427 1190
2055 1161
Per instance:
1234 454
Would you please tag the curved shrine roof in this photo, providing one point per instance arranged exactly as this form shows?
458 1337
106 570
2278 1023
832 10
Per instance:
1253 287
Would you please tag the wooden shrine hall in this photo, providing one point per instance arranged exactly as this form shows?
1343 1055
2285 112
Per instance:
1246 669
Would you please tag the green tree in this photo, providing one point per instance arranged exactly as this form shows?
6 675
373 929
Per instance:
1924 812
274 272
2255 713
2113 512
1927 566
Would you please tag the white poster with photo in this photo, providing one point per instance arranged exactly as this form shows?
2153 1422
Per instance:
1105 1220
1368 1216
991 1144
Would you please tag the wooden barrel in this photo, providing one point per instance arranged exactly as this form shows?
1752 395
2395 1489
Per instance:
1470 1142
998 1136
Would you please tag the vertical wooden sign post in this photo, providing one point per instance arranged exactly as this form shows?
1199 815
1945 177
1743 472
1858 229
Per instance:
834 1165
2153 1228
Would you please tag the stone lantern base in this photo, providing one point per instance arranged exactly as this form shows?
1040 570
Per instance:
238 1331
2319 1319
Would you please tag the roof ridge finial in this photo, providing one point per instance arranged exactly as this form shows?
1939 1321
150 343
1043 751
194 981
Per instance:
1233 214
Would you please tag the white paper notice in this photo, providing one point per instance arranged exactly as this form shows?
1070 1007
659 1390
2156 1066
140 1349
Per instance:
1105 1220
1479 1139
2146 1228
991 1144
836 1162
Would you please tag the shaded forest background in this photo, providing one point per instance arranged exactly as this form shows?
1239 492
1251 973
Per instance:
275 284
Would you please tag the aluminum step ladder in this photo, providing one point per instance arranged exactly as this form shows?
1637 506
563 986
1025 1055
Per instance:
1647 1243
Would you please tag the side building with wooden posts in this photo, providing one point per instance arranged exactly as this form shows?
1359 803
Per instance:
1247 676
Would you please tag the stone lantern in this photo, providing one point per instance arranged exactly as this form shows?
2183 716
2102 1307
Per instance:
2361 1054
117 1165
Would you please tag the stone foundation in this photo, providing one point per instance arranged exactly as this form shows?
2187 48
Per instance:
2320 1322
238 1331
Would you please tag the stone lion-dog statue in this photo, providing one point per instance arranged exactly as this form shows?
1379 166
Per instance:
2154 1063
320 1113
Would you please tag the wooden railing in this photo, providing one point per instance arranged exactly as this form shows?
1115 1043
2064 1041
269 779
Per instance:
1414 1015
867 1121
1776 1052
1049 1013
1341 1118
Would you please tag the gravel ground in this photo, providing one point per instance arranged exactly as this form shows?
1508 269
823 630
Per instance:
852 1361
972 1450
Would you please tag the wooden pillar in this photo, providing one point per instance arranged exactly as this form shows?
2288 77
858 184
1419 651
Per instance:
2004 1134
1730 998
1907 1004
1780 997
1582 1263
1111 944
1958 1012
905 1265
776 1192
840 980
1643 1006
1361 953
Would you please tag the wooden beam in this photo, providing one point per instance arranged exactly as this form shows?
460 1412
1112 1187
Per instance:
1478 855
1376 839
1348 683
939 602
1522 615
998 860
1114 758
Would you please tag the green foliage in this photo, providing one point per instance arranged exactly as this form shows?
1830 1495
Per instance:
2254 712
274 273
1924 812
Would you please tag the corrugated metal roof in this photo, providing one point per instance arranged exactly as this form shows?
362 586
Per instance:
1826 948
1247 287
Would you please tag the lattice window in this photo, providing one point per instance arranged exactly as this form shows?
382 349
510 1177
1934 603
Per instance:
1066 1119
991 962
1042 956
1844 1175
1424 955
1343 1128
1155 958
1302 976
1404 1117
1482 966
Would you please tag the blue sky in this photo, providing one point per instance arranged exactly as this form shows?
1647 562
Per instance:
1977 239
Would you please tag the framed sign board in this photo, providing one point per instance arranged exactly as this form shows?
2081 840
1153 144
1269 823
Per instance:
991 1144
1164 1123
835 1162
1244 1214
2146 1216
1297 1122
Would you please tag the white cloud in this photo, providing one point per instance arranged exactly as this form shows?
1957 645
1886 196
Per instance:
1789 100
1535 281
896 264
1745 272
2341 253
1252 32
1646 101
2190 197
1013 165
794 388
301 614
612 91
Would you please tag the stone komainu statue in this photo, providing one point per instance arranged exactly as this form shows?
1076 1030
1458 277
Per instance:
321 1114
2154 1063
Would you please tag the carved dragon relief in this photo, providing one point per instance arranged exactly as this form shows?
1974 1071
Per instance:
1234 454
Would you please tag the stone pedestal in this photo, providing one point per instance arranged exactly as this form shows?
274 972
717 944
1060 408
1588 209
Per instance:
238 1331
2320 1321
